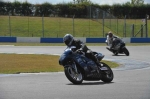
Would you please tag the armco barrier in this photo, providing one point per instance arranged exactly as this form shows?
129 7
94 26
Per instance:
140 40
28 39
60 40
51 40
8 39
95 40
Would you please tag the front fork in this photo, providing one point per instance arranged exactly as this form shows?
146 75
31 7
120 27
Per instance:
74 67
72 64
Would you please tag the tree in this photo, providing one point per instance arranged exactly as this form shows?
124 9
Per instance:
46 9
26 8
81 1
137 2
16 7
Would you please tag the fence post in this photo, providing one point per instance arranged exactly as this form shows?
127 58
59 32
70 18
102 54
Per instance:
103 22
117 25
124 34
28 27
141 30
132 30
110 21
9 25
89 21
73 25
146 26
43 25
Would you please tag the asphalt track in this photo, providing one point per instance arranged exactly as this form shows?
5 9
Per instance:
131 79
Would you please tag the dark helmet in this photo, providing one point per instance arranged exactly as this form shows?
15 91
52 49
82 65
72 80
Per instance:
68 39
110 34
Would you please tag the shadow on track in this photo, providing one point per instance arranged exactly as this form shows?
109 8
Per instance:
92 83
119 55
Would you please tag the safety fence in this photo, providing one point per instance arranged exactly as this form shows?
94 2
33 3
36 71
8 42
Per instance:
96 23
124 27
60 40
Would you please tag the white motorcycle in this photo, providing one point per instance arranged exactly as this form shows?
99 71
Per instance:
119 47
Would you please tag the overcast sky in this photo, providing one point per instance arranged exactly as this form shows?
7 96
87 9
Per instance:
100 2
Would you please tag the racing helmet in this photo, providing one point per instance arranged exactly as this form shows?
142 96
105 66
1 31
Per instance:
68 39
110 34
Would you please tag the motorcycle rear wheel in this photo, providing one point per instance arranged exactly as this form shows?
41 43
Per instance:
125 51
107 75
75 78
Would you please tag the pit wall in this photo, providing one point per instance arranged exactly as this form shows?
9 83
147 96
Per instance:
60 40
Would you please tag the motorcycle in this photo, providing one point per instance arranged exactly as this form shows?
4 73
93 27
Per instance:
77 67
119 48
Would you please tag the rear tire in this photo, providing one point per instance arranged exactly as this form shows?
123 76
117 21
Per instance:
125 51
107 75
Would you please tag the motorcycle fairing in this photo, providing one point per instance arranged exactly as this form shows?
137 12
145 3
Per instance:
85 63
82 61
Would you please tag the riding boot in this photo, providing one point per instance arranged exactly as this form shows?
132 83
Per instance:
94 58
96 61
95 69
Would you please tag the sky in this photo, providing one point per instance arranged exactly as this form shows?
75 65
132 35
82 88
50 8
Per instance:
100 2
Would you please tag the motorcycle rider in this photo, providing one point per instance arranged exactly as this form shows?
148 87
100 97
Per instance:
69 40
111 40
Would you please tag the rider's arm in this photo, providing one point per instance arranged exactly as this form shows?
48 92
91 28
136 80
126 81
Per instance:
82 46
78 44
114 36
108 41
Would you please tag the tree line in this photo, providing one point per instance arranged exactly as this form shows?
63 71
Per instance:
133 9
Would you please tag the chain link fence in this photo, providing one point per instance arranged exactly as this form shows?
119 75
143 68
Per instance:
95 24
122 27
27 26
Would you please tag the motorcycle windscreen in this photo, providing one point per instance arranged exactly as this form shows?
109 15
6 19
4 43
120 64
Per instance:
100 56
64 57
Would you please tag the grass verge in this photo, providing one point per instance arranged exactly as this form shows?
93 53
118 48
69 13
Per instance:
31 63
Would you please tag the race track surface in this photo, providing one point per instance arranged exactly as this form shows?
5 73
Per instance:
131 79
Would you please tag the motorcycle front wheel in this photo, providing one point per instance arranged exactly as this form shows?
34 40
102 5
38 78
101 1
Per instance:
115 53
75 78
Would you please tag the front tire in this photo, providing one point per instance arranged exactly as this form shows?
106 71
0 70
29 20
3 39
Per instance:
115 53
75 78
107 75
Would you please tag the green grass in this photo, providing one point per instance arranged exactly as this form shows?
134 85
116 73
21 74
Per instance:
57 27
53 27
30 63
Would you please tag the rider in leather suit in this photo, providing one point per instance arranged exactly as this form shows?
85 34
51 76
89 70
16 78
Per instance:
70 41
111 40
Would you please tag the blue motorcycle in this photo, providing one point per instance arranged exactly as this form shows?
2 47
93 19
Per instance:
77 67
